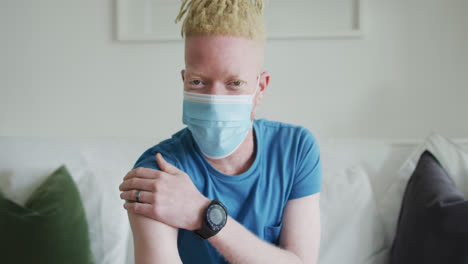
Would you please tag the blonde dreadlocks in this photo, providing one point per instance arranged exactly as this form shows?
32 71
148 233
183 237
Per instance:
242 18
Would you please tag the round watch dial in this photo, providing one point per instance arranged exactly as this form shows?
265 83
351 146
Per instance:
216 217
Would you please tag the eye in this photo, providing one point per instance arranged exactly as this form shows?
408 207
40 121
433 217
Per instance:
237 83
196 82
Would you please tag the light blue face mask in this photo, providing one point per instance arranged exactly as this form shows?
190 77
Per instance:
218 123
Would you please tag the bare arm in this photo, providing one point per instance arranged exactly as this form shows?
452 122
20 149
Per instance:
301 231
299 238
154 242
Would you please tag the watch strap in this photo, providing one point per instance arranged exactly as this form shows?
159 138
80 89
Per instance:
204 233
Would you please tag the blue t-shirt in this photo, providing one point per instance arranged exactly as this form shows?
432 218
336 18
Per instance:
287 166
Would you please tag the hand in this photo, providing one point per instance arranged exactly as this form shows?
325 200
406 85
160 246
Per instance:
167 195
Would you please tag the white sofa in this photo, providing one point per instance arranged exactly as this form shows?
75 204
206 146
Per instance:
357 175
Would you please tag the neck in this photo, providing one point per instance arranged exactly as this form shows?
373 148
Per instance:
239 161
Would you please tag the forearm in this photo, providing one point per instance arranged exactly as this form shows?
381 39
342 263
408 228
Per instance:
239 245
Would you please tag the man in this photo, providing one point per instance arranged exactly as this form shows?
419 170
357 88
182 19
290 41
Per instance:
227 187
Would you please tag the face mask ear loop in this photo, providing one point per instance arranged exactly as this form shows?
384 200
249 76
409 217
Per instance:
258 85
255 93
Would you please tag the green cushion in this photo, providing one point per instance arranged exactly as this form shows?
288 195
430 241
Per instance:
50 228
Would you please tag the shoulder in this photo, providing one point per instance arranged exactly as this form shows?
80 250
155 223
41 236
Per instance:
173 150
293 151
284 132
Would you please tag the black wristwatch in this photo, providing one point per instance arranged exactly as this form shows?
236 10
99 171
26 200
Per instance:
214 219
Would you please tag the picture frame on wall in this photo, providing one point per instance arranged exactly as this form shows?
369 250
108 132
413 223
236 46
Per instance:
154 20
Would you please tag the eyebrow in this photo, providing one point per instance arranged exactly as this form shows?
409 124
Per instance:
194 73
231 76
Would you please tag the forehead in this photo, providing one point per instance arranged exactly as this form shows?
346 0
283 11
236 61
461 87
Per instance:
221 55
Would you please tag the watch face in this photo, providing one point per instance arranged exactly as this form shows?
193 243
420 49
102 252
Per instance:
216 217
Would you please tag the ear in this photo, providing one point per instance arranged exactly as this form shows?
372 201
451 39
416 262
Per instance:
182 73
263 85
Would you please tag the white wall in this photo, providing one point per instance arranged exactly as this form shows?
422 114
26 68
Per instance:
63 73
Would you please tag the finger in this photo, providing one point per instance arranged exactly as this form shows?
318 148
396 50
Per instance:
165 166
137 184
145 197
128 174
142 172
139 208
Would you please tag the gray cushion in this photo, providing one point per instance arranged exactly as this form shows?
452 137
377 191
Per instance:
433 221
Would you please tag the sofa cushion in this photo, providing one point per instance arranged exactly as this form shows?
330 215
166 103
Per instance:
352 231
432 221
50 228
96 164
452 157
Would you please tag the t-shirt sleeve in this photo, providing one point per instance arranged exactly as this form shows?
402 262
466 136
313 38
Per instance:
148 159
308 172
